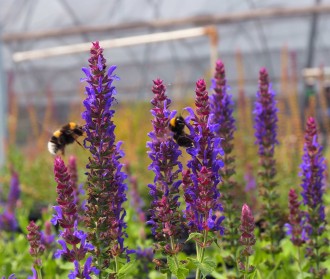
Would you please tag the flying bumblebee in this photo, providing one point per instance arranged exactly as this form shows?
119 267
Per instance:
69 133
176 125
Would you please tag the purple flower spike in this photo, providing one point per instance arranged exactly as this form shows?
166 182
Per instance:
14 192
266 132
166 219
73 242
312 172
36 247
247 238
221 104
313 168
222 124
247 229
201 179
8 221
265 116
104 215
294 227
67 212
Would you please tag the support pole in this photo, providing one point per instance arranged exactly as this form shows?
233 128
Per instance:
214 40
3 107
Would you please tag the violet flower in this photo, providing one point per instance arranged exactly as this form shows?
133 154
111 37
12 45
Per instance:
104 215
266 137
166 219
8 221
73 242
34 274
249 179
47 237
85 271
137 201
145 256
312 172
200 181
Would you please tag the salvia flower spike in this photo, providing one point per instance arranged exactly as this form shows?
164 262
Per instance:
164 152
36 247
312 172
247 240
200 181
223 126
73 242
166 218
295 225
104 215
265 112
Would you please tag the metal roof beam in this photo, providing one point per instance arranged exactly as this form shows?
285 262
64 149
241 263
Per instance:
173 23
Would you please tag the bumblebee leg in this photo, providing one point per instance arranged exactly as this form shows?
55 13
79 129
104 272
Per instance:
79 143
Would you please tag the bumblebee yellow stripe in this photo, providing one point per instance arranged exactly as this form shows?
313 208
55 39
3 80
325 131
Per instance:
72 125
57 134
172 121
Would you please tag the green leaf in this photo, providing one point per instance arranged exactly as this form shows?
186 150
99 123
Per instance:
109 271
206 267
215 240
23 221
304 275
66 265
125 269
171 265
194 261
182 272
270 275
194 235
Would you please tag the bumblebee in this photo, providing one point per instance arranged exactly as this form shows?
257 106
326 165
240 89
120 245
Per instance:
67 134
176 125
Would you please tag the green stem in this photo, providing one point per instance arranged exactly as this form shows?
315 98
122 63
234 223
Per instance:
38 269
246 267
201 253
299 261
317 255
174 256
116 265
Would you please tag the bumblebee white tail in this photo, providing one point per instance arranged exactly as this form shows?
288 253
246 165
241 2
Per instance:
52 148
